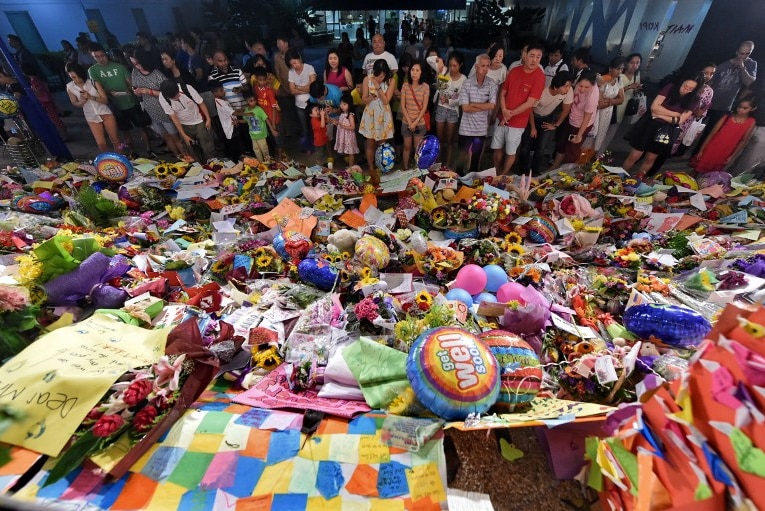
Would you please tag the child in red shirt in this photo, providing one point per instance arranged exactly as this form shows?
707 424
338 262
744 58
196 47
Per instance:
319 127
266 97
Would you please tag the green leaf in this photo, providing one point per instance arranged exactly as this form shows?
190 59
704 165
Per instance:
73 457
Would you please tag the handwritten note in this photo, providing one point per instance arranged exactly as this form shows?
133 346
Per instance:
392 480
425 481
57 380
372 450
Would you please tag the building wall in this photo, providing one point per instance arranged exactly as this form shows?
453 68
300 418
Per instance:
662 31
63 19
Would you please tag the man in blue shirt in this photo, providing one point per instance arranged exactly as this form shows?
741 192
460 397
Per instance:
328 96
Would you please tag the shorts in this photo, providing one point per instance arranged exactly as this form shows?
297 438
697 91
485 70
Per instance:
133 117
508 137
444 114
419 131
163 128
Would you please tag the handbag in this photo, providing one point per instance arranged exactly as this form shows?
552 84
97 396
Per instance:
666 134
426 117
632 106
642 107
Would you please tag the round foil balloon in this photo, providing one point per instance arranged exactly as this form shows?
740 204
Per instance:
679 327
519 371
9 106
372 252
427 152
385 157
278 244
113 167
318 272
452 373
541 229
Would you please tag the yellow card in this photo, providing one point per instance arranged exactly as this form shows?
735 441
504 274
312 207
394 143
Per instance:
57 380
275 479
372 450
425 481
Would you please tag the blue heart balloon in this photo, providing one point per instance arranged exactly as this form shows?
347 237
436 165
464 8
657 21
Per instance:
679 327
427 152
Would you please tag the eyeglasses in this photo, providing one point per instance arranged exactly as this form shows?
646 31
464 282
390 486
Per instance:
744 53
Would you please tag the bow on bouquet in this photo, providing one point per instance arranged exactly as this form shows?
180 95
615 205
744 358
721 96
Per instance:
146 402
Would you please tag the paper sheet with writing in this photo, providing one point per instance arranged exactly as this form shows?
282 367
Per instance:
58 379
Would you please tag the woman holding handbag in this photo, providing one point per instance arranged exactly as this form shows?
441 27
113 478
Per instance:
705 100
653 135
414 108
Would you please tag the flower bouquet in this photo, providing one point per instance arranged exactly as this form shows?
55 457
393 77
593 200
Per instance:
144 403
439 262
18 320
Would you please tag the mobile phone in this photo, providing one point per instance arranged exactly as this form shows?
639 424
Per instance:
571 137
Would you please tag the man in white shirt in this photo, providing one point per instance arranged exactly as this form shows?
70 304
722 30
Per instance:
189 114
555 64
378 52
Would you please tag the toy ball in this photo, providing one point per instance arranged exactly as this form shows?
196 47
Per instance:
9 106
541 229
511 291
460 295
385 157
681 179
427 152
372 252
471 278
679 327
278 244
452 373
113 167
318 272
495 277
520 374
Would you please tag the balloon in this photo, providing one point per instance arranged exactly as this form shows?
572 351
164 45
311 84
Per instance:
679 327
510 291
459 234
9 106
42 203
372 252
471 278
385 157
427 152
519 370
541 229
452 373
318 272
113 167
484 297
495 277
278 244
460 295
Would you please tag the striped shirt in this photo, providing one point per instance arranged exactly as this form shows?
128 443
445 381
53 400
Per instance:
230 79
476 123
420 93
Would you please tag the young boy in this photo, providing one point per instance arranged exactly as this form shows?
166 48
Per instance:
229 121
259 124
266 96
318 116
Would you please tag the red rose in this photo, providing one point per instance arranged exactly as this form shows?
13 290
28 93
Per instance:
107 425
137 391
145 419
93 415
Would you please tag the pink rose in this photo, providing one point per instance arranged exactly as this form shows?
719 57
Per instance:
107 425
144 419
137 391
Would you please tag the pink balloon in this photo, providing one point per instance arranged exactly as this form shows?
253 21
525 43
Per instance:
511 291
471 278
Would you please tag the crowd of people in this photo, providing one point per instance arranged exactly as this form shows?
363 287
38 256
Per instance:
538 113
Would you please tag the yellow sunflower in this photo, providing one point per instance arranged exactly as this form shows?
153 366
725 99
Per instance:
515 249
438 216
219 267
264 261
513 238
423 297
365 273
161 170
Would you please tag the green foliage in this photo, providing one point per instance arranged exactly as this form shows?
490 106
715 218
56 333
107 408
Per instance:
240 20
17 330
99 209
489 19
